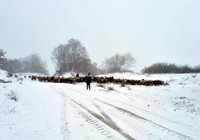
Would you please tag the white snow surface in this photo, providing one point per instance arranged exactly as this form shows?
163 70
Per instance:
33 110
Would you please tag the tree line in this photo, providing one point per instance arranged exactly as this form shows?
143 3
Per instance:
32 64
159 68
68 57
73 57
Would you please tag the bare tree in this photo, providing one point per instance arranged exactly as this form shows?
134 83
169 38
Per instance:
70 57
2 58
128 61
118 63
34 64
76 52
59 57
13 66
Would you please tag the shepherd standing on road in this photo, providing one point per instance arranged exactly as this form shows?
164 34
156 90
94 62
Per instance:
88 80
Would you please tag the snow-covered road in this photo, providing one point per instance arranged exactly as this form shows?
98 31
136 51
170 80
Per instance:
114 116
109 111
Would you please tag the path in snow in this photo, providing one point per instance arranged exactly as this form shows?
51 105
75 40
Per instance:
106 113
70 112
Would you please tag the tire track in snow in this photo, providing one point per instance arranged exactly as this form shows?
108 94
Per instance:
163 128
98 126
124 111
108 122
156 115
151 113
89 118
105 121
156 125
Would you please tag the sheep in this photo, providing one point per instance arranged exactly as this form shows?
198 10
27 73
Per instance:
33 77
97 79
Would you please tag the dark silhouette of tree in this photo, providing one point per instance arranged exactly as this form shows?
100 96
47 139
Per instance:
72 56
169 68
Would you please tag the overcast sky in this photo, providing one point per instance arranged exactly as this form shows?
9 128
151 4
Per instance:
152 30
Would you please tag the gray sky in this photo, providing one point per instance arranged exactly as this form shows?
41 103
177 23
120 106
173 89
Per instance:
152 30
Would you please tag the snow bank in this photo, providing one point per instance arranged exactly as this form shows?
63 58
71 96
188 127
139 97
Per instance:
29 110
4 75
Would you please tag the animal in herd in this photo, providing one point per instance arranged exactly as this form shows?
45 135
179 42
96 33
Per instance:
33 77
101 80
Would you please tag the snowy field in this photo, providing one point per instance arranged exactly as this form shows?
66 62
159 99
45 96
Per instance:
32 110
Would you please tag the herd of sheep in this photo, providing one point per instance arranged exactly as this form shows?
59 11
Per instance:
101 80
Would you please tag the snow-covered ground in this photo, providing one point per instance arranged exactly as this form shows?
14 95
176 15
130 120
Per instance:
56 111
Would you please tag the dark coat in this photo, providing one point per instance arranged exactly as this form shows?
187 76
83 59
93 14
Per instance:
88 79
